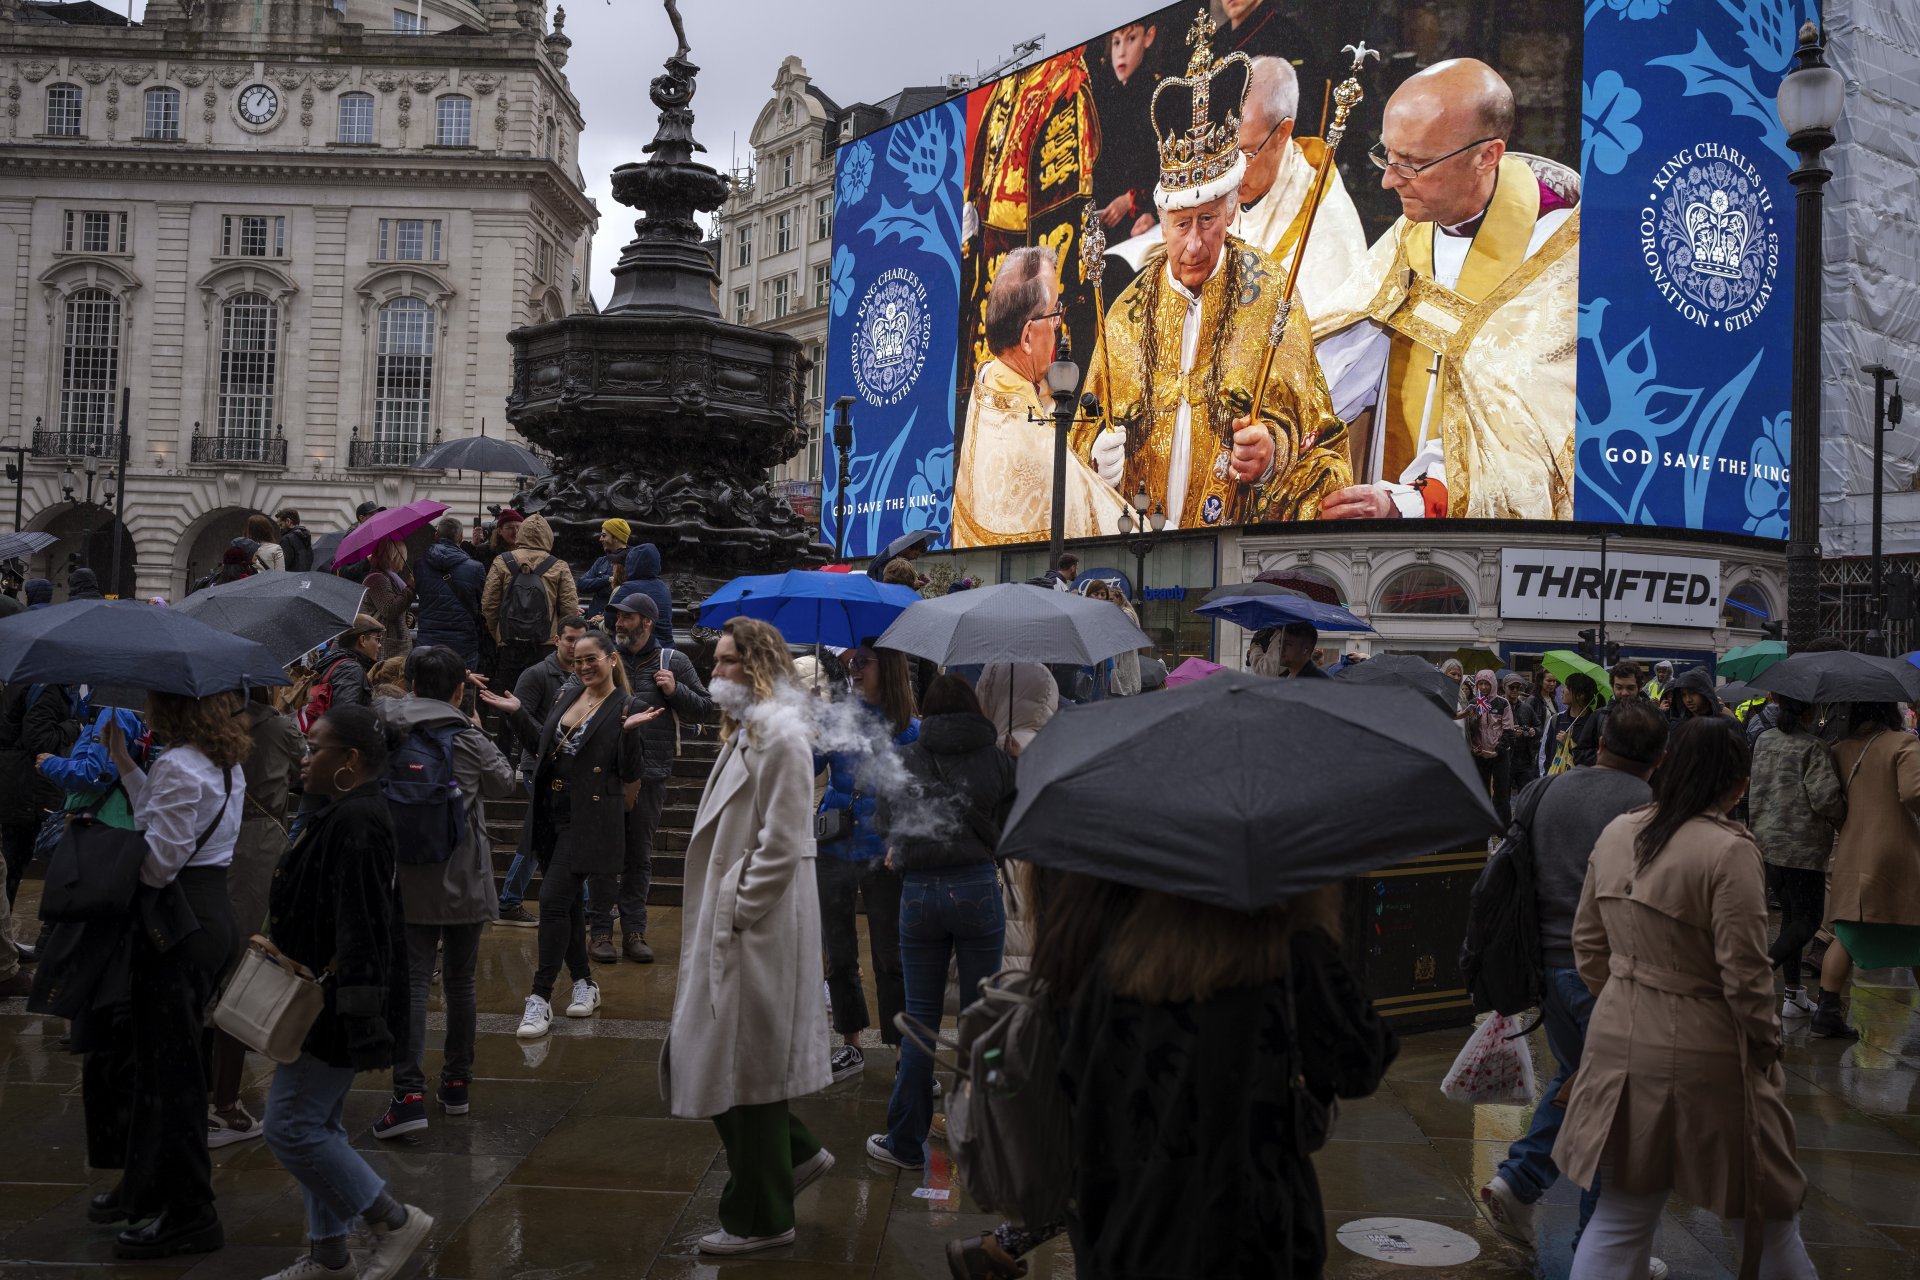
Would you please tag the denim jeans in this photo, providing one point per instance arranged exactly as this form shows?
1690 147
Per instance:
304 1131
513 890
1529 1169
462 953
943 914
842 884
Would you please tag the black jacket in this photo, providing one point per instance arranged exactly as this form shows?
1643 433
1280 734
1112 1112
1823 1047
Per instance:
957 769
347 676
28 726
447 583
296 544
607 768
334 905
1186 1157
689 702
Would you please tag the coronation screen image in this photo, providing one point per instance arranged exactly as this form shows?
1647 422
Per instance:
1468 260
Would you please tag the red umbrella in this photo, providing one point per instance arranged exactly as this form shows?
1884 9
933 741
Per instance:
394 522
1308 587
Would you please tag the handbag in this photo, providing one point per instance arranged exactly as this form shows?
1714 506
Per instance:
271 1002
830 825
95 870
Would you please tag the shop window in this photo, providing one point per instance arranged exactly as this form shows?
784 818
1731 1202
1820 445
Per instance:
1424 589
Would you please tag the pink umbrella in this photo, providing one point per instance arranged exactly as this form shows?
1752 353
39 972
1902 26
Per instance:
394 522
1191 670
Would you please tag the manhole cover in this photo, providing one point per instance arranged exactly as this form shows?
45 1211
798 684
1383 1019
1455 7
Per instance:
1409 1242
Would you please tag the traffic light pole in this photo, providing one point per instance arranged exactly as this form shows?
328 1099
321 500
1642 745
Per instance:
1602 637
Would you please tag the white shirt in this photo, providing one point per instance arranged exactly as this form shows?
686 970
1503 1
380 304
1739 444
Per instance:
174 802
1180 460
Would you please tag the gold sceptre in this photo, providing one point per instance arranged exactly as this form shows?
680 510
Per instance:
1093 267
1346 96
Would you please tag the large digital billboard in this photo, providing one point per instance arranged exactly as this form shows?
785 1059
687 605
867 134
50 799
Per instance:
1540 273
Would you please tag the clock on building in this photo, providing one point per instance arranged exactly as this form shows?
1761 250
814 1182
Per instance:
258 103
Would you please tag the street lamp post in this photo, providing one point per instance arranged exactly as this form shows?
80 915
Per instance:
1810 100
1063 375
843 446
119 498
1135 516
1885 414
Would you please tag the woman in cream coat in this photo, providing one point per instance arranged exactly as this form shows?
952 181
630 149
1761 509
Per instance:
1680 1088
748 1030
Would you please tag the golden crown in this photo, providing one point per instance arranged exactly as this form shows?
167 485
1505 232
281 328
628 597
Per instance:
1209 149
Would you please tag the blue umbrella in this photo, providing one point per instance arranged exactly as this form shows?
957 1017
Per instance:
809 607
129 644
1256 612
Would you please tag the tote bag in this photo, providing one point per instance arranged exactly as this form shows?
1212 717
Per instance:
271 1001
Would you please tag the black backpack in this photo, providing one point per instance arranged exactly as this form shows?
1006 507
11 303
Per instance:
527 617
424 797
1500 957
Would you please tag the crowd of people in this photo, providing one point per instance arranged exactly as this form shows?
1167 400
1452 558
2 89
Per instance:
1201 1050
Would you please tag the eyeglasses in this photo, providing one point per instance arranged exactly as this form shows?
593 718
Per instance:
857 664
1054 314
1378 154
1263 142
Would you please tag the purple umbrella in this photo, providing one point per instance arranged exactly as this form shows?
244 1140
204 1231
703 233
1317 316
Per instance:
394 522
1191 670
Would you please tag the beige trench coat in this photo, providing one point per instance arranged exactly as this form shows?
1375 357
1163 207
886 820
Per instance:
1876 857
749 1017
1680 1085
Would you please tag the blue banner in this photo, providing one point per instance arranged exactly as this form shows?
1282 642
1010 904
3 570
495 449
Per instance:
1686 280
896 291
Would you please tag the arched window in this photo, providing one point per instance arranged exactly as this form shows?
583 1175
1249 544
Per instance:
403 375
1747 607
453 121
90 368
163 114
63 110
356 117
1422 588
249 366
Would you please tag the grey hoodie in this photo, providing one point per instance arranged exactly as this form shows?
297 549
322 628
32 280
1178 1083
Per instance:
459 890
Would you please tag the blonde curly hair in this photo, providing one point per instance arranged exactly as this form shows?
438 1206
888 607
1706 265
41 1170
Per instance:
764 658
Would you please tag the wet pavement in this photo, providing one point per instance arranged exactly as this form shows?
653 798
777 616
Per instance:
568 1165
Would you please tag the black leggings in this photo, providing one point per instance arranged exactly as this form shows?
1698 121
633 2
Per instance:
1803 897
563 926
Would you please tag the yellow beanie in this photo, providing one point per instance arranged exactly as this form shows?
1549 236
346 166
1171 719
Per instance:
619 528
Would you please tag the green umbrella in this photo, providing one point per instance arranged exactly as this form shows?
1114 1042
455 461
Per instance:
1564 662
1750 660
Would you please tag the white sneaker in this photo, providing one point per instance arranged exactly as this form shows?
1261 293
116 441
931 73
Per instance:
225 1129
305 1267
586 998
392 1248
808 1170
1656 1269
537 1020
1796 1005
1510 1217
724 1241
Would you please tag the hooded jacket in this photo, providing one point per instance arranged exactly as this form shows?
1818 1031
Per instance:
459 890
596 584
536 544
643 576
448 584
82 585
956 768
39 592
296 546
87 773
1695 680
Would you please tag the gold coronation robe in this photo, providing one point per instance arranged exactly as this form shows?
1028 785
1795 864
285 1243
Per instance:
1003 485
1506 337
1140 347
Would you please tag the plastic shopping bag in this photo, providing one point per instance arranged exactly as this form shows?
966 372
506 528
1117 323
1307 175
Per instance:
1495 1065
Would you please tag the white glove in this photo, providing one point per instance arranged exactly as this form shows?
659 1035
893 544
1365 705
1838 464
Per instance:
1110 455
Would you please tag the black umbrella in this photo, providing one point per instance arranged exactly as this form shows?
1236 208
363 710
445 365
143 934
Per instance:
323 548
131 645
1734 695
1407 671
1841 677
289 613
18 546
919 539
482 453
1257 789
1014 622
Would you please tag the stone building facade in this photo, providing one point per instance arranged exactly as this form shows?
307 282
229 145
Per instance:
298 232
775 234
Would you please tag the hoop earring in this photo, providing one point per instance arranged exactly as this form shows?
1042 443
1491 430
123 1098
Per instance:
336 777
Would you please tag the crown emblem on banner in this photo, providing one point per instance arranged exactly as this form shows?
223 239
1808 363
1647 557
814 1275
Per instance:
1718 235
1204 145
892 329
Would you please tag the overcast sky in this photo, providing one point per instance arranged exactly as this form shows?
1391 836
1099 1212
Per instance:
855 50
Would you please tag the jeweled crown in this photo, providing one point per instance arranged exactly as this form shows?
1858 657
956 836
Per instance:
1207 147
1718 234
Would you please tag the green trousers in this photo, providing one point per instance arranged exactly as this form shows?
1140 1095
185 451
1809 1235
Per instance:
764 1142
